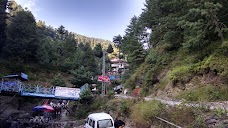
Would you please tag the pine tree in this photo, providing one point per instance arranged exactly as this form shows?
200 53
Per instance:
22 36
110 49
98 51
3 16
61 30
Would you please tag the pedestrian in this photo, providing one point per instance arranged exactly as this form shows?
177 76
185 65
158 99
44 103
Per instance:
119 124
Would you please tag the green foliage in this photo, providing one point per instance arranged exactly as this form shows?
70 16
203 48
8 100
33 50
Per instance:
110 94
98 51
205 93
44 55
145 112
217 62
86 97
199 122
110 49
81 76
58 80
98 103
21 37
61 31
82 112
220 112
125 107
180 74
3 4
131 44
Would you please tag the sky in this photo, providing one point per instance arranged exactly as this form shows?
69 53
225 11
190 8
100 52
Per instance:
93 18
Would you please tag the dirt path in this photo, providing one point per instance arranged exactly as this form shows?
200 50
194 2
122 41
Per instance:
210 105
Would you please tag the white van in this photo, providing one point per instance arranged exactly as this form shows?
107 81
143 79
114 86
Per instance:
99 120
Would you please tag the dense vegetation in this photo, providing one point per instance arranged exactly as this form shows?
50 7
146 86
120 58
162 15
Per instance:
188 45
44 52
187 58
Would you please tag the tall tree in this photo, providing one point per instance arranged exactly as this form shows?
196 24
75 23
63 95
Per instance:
98 51
44 52
3 16
61 30
117 40
110 49
192 24
89 59
22 36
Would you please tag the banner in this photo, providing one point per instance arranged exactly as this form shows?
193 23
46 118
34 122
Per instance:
104 79
67 92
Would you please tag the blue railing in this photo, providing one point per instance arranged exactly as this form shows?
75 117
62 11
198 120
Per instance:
37 91
29 90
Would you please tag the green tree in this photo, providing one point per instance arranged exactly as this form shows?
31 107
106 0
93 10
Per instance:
22 37
3 16
61 30
69 47
131 43
58 80
81 76
89 59
98 51
110 49
86 97
44 52
81 46
137 54
117 40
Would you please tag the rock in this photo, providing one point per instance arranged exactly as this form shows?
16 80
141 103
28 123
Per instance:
211 121
225 121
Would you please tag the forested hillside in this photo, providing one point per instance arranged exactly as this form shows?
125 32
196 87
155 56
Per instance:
47 54
188 55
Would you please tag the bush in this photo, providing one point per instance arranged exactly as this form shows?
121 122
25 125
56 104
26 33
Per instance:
145 112
86 97
125 107
199 122
217 62
82 112
180 74
205 93
58 81
98 103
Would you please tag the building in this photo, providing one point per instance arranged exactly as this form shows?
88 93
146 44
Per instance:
118 67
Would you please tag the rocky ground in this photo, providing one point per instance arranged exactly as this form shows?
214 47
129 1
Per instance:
212 121
10 115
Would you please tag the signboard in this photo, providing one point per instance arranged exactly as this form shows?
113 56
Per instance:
112 77
104 79
67 92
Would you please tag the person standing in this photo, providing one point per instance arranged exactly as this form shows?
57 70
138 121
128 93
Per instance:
119 124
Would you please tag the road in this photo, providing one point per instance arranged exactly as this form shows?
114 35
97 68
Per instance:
210 105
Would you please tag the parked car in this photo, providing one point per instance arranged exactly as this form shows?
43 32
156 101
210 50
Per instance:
99 120
118 89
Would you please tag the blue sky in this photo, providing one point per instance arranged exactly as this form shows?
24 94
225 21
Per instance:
94 18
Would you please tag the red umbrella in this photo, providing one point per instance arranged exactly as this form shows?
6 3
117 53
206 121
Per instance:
38 108
48 108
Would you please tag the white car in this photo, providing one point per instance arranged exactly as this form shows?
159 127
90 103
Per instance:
99 120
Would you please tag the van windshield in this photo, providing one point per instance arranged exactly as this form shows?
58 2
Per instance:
104 123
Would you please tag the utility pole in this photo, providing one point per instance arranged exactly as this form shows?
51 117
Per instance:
120 66
103 93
